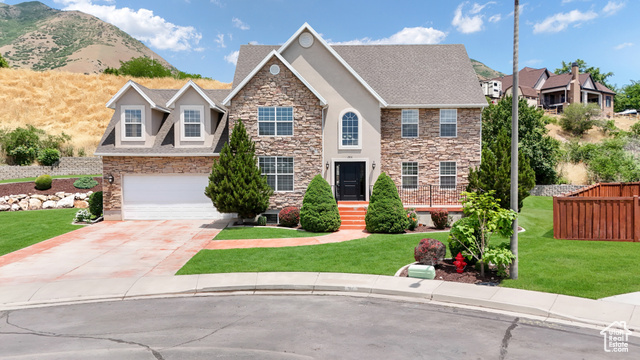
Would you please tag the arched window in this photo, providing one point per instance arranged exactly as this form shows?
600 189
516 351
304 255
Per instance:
350 131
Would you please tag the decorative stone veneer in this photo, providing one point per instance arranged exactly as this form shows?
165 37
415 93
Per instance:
305 146
119 166
429 148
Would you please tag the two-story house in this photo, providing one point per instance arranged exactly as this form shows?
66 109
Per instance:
348 112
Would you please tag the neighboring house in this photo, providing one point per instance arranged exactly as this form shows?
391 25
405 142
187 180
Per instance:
542 88
348 112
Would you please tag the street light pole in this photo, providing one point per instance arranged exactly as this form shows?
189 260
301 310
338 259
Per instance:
514 144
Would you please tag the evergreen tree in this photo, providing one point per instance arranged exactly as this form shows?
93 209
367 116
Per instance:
386 213
495 172
236 184
319 211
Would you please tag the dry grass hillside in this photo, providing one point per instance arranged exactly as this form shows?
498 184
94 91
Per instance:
58 101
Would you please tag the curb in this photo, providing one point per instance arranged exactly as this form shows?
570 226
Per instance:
553 307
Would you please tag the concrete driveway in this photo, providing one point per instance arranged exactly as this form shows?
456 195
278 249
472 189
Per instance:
110 249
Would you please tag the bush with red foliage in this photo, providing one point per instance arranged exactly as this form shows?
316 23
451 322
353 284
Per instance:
440 218
429 252
289 216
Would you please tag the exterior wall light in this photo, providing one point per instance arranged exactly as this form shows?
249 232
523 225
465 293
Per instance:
373 165
326 165
110 178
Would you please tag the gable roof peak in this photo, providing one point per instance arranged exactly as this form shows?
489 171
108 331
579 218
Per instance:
141 91
191 84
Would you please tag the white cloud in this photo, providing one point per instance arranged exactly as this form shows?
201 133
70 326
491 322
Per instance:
232 58
141 24
471 22
560 21
415 35
220 40
623 45
613 7
218 3
495 18
239 24
253 42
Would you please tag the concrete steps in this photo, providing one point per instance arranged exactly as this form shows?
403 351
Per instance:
352 214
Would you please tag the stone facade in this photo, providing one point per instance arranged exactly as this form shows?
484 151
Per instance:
119 166
66 166
305 146
429 148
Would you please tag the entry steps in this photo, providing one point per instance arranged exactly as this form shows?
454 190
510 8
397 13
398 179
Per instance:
352 214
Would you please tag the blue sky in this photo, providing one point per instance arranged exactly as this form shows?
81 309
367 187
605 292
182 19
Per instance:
203 36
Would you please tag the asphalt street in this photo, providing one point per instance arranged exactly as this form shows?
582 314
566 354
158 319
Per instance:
288 327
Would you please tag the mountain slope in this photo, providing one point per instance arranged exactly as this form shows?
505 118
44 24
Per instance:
35 36
483 71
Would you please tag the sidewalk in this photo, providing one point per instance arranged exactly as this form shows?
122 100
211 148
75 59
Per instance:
543 306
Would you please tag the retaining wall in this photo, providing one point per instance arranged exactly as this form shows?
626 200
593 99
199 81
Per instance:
554 190
66 166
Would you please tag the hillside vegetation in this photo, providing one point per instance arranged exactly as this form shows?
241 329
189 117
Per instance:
58 101
483 71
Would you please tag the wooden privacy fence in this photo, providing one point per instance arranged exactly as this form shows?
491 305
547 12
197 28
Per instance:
599 212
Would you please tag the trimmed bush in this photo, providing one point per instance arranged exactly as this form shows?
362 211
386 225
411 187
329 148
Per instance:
289 216
43 182
386 213
319 211
86 182
429 252
48 157
262 220
83 216
95 204
466 238
440 218
412 218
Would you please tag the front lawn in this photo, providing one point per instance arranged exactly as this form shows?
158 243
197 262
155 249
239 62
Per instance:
25 228
262 232
591 269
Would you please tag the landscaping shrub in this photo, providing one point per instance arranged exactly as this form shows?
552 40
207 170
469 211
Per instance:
48 157
466 239
95 204
289 216
22 145
82 216
501 257
429 252
67 151
43 182
578 118
412 217
440 218
386 213
262 220
319 211
86 182
81 152
635 129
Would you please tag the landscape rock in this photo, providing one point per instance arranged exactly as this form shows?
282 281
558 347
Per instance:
24 204
3 201
60 194
5 207
80 204
15 207
35 204
65 203
42 198
81 196
49 204
10 201
68 194
53 198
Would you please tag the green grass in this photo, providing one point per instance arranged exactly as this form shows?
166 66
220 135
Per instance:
591 269
28 179
25 228
261 232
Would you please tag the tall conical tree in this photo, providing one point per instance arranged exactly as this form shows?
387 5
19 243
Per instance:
236 184
385 213
494 172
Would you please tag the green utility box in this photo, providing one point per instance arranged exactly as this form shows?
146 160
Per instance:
422 271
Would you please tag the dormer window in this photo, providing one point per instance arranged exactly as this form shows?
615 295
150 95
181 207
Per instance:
132 119
192 121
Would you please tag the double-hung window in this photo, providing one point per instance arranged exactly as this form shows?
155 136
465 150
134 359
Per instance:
275 121
448 174
448 122
410 123
132 117
608 101
279 172
409 175
192 120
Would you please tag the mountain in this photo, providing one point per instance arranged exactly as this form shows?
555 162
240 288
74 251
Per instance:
37 37
483 71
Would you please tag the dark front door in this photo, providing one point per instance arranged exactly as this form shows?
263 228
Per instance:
350 183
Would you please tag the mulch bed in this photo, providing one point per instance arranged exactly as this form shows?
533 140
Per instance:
447 271
57 185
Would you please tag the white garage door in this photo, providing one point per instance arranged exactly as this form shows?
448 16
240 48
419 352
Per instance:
167 197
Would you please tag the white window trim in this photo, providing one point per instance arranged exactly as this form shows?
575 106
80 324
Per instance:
276 121
417 176
123 132
360 130
293 182
183 136
440 125
402 124
440 175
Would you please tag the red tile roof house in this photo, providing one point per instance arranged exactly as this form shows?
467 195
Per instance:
545 89
348 112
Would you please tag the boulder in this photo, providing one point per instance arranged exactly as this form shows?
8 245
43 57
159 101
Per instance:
35 204
68 194
49 204
42 198
15 207
80 196
60 194
53 198
3 201
5 207
24 204
65 203
80 204
11 201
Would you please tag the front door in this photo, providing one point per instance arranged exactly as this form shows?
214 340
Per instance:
350 181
